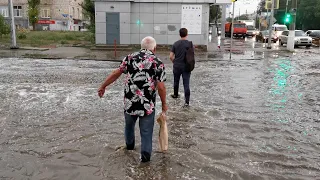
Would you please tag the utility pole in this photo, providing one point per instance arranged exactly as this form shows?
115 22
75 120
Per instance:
13 27
270 24
293 11
232 22
287 6
223 21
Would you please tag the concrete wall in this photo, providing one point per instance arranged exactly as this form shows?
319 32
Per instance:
160 19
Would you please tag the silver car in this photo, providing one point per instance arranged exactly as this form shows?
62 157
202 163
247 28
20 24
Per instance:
300 39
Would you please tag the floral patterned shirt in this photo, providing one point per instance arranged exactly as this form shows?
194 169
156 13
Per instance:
143 70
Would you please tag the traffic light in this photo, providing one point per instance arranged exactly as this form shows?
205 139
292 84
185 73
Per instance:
233 0
287 19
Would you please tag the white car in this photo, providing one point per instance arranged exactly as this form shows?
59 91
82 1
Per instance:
278 29
300 39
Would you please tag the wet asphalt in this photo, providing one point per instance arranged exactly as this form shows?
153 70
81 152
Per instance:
255 116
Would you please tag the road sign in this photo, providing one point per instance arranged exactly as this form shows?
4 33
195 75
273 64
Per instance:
269 4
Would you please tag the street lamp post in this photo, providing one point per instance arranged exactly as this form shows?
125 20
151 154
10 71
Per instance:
290 45
270 24
13 27
232 22
287 6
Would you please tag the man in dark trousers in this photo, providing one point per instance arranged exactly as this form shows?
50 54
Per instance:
177 56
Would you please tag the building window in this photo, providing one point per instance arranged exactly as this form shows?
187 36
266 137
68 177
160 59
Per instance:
73 12
45 13
4 12
78 13
17 11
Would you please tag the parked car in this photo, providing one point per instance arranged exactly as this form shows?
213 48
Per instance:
310 31
300 39
263 36
251 31
314 34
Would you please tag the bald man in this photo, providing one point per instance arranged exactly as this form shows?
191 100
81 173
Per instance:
144 74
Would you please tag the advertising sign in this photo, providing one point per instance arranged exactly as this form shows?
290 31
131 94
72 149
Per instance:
46 22
191 18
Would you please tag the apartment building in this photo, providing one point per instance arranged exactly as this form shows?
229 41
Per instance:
62 15
20 10
57 15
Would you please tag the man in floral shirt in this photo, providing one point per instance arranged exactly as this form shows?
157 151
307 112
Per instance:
144 74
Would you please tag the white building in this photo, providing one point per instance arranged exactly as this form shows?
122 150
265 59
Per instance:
128 21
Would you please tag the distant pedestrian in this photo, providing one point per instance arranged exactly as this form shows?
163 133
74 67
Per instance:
145 73
178 57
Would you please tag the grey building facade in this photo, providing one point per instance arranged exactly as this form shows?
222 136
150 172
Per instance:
19 10
129 21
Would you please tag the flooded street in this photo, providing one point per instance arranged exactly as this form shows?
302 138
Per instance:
253 117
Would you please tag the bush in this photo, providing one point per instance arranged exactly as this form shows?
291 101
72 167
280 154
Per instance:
63 42
90 37
4 27
22 36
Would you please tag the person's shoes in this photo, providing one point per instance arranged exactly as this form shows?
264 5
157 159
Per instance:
186 105
145 157
130 146
175 96
125 147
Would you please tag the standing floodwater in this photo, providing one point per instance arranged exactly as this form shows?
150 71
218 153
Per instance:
249 119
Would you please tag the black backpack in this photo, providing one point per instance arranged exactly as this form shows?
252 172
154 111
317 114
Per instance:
189 57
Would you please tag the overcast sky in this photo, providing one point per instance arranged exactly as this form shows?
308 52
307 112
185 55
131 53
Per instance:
243 5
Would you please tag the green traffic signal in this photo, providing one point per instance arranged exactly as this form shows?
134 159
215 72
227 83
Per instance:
287 19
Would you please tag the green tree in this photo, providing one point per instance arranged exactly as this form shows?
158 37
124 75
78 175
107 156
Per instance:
89 12
215 13
308 14
33 12
4 27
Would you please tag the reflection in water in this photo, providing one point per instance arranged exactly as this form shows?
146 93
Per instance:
280 83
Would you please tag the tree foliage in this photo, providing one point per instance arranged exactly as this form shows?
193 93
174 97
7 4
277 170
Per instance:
308 13
4 27
89 12
33 12
215 13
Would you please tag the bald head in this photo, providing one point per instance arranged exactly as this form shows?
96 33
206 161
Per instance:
148 43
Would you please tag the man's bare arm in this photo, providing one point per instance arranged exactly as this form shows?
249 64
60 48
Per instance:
172 56
109 80
162 93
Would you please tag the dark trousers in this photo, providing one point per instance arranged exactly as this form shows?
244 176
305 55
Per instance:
177 72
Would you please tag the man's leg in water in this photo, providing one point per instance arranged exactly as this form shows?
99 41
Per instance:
176 76
146 125
186 85
130 122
